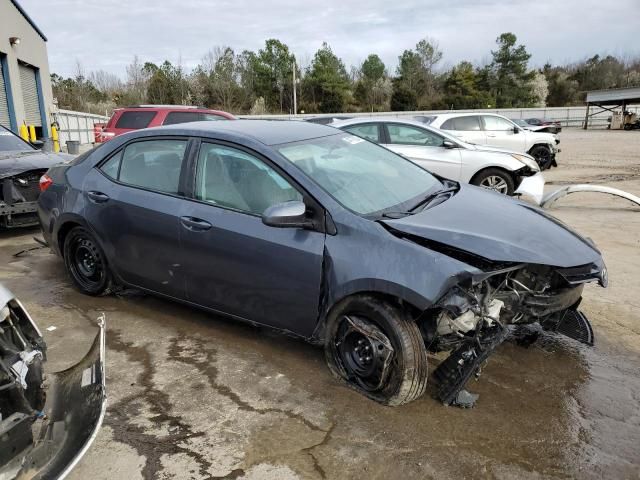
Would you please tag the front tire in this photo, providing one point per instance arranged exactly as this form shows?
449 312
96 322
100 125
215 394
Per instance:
495 179
543 155
86 263
377 349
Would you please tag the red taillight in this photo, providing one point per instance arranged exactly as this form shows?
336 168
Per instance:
45 182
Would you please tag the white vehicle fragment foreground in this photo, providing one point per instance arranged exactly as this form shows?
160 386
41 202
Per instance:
47 422
533 187
567 189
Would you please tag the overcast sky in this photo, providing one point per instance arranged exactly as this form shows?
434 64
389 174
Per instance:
106 34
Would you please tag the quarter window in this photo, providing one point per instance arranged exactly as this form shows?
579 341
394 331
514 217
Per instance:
368 131
232 178
468 123
407 135
496 123
135 119
153 164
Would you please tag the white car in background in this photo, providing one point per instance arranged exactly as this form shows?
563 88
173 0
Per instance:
445 155
498 131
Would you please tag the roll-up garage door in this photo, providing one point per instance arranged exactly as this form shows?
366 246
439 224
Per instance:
4 104
30 95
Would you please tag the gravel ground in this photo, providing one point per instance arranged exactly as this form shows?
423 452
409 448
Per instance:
196 396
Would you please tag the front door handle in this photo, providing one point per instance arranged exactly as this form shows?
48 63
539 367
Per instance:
97 197
195 224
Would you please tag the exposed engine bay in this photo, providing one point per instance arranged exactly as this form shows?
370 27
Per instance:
475 316
47 422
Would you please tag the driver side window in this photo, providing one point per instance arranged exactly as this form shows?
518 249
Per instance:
408 135
496 124
232 178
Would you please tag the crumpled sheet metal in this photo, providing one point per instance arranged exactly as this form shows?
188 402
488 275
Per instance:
552 197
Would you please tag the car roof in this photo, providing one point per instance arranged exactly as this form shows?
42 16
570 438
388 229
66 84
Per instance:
465 114
268 132
359 120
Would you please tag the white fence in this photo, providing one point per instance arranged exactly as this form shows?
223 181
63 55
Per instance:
77 125
568 116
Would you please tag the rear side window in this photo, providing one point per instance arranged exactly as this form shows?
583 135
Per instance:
154 165
135 119
368 131
470 123
184 117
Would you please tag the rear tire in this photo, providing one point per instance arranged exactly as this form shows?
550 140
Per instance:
86 263
363 327
494 179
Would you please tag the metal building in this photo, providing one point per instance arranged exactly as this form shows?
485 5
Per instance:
610 100
25 84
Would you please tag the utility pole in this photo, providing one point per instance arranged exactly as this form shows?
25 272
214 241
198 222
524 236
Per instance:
295 87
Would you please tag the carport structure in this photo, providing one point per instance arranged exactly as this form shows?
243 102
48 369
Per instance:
609 100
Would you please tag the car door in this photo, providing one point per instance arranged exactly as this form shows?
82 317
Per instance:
501 133
467 128
132 204
233 262
424 148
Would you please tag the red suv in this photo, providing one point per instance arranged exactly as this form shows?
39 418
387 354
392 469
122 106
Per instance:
127 119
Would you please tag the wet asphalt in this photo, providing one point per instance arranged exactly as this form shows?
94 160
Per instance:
192 395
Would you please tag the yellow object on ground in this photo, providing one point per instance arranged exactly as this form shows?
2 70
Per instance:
24 132
55 138
32 133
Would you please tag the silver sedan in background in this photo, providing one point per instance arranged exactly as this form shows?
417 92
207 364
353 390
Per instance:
445 155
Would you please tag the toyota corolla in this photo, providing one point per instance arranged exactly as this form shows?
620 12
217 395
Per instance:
325 235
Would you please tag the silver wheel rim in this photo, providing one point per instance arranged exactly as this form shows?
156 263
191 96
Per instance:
495 183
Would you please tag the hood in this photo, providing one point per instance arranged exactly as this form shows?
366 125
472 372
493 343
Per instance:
541 137
13 163
487 148
500 229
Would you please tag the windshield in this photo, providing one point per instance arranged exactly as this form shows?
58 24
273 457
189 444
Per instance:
12 143
360 175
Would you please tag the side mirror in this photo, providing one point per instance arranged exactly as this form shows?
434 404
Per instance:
516 129
449 144
287 215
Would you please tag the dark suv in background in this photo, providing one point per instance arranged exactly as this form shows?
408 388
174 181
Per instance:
127 119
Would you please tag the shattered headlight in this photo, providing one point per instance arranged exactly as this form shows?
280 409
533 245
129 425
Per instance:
527 160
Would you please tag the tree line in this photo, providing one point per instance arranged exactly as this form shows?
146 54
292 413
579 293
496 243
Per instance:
262 82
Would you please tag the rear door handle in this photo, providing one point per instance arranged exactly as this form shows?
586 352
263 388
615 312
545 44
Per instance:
195 224
97 197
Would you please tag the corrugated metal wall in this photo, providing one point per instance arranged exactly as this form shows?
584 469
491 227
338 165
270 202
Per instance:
4 105
30 96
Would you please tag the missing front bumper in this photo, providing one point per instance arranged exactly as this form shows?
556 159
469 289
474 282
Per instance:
73 414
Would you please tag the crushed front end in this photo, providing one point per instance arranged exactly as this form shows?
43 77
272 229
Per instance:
47 422
19 199
476 315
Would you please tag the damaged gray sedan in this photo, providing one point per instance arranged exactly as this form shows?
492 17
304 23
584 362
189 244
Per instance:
47 421
325 235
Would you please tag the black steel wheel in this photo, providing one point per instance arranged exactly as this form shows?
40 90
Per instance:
85 262
543 155
377 349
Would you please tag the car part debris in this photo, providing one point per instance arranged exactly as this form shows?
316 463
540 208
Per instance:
552 197
533 187
574 324
47 423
